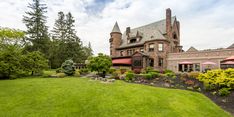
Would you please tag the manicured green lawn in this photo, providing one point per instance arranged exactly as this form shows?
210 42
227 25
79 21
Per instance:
82 97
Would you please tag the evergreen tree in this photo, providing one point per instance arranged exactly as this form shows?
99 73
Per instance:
72 49
90 49
87 50
59 30
70 29
37 31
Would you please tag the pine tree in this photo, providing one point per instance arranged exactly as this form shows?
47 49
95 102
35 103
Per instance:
59 30
90 49
37 31
70 29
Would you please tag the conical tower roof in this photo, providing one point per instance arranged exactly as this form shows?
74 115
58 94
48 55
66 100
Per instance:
116 28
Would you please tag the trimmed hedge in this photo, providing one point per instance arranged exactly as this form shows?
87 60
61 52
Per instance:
218 79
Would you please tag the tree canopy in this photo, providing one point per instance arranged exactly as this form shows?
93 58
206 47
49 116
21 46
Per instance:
100 63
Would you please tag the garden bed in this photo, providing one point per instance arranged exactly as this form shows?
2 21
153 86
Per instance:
192 84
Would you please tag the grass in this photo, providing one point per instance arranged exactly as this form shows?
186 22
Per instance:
81 97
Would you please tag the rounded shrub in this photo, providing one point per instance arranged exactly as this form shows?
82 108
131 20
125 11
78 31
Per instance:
147 76
129 76
68 67
77 73
154 74
224 92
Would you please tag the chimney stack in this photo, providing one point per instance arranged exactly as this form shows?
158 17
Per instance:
128 30
168 20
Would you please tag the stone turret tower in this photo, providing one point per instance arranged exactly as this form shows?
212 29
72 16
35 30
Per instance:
115 40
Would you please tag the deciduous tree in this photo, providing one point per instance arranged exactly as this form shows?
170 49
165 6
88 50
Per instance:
100 63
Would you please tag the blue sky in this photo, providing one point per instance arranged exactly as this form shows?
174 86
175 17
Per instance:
204 23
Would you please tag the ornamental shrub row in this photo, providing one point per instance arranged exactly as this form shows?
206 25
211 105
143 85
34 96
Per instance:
218 79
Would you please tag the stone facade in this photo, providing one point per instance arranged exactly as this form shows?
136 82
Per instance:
159 45
155 40
198 58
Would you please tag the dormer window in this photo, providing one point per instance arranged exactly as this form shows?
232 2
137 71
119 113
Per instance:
133 40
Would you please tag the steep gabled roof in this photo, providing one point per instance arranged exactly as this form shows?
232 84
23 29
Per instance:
148 32
231 46
192 49
116 28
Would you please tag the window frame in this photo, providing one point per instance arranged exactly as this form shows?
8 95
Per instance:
160 47
151 49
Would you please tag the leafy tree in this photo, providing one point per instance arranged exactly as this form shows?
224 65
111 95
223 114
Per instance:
66 44
37 31
34 62
11 36
100 63
9 61
68 67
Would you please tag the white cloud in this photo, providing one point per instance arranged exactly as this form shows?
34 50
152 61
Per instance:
204 24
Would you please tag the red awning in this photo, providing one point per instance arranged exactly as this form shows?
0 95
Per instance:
185 62
228 63
208 63
229 58
126 61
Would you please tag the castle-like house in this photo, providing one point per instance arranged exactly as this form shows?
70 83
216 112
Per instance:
151 43
158 45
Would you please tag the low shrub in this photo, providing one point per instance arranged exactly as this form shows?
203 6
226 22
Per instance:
112 70
167 71
193 74
123 70
151 69
170 74
137 71
77 73
219 78
129 76
224 92
189 82
162 75
68 67
48 73
184 75
60 75
229 73
143 71
116 74
84 71
59 70
147 76
154 74
209 86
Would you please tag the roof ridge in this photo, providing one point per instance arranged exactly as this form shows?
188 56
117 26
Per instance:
154 22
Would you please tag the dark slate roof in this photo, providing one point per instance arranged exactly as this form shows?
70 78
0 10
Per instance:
148 32
192 49
116 28
231 46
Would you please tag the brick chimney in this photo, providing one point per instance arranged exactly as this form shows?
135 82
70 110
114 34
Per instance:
128 30
168 21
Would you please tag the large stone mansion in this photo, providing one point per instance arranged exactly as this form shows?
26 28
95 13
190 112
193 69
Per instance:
158 45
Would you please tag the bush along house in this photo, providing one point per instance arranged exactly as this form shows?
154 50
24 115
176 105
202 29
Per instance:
158 45
147 45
